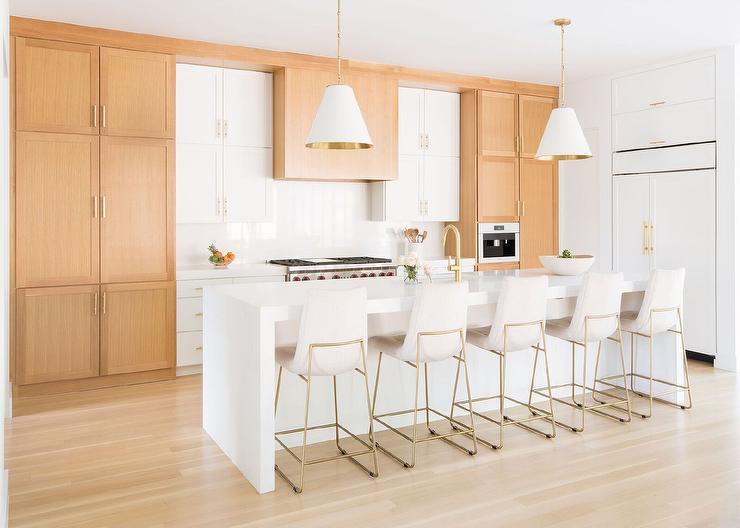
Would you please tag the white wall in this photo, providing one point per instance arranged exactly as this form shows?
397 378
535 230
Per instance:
587 203
310 219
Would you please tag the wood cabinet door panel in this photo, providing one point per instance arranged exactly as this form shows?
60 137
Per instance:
57 333
137 93
137 229
534 112
498 189
538 223
56 86
298 93
57 229
137 328
497 124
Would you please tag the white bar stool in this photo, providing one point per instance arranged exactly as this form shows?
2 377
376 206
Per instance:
595 319
660 312
518 324
436 332
331 341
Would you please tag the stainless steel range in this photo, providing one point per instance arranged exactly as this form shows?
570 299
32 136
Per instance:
336 268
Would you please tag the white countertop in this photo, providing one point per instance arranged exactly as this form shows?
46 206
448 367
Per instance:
207 271
392 294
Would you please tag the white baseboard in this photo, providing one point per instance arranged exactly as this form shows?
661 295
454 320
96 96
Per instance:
189 370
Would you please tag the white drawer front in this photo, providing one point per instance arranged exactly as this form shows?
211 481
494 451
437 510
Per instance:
668 125
189 348
701 156
189 314
194 288
271 278
676 84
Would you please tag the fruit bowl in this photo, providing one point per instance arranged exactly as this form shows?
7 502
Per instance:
575 265
218 259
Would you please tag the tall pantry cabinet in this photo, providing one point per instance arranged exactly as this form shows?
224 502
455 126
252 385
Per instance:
93 265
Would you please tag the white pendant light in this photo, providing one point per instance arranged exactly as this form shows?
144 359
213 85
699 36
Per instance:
563 138
338 123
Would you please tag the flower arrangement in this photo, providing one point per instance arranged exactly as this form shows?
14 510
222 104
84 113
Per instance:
410 263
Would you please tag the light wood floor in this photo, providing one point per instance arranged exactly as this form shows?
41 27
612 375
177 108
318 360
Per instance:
136 456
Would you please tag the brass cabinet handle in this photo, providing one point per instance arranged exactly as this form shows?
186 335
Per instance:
103 111
199 348
522 213
218 128
226 128
645 250
103 206
198 289
95 304
650 237
657 103
103 303
226 207
198 314
95 116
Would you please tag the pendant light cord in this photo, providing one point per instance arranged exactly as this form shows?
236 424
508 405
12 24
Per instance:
339 39
562 65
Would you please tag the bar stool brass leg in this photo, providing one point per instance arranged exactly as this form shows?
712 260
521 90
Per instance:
277 389
371 435
426 395
454 396
687 383
336 413
502 390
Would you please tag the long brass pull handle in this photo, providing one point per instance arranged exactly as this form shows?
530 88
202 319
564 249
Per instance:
218 128
226 128
644 239
657 103
199 348
198 314
103 303
95 116
103 110
95 206
522 202
650 237
103 206
95 304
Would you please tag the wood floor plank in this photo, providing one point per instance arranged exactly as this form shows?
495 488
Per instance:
137 456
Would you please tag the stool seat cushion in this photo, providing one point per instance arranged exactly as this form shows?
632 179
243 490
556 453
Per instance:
478 337
628 321
561 328
285 357
391 345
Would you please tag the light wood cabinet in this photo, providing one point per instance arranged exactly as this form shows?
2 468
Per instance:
56 86
137 93
57 333
137 192
297 94
534 112
56 209
498 189
137 329
497 124
538 220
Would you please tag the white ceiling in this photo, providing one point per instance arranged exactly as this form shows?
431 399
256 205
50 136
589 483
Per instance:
511 39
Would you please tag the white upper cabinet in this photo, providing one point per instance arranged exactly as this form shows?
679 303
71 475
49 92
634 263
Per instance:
666 125
198 100
224 145
679 83
247 184
199 172
247 108
410 121
442 123
428 184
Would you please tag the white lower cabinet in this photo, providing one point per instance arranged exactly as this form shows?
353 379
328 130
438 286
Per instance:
664 221
198 189
190 314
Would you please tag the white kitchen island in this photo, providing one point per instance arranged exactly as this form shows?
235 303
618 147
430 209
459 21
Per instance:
241 322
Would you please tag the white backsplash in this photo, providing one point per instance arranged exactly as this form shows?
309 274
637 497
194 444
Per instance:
310 219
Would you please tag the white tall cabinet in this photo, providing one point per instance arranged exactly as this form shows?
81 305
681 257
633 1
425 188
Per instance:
428 184
224 145
664 185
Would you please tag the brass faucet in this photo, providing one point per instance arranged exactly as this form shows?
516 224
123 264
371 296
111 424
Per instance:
457 267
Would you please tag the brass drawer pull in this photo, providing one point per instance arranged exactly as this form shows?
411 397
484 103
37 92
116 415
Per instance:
657 103
198 314
199 348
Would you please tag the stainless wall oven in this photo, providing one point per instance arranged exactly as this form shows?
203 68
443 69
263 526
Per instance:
498 243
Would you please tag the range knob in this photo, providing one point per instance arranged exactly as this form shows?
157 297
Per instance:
372 275
381 274
363 275
320 277
306 278
296 279
353 276
336 277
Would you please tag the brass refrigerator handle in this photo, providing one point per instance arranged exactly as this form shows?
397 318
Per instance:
103 118
95 115
103 303
103 206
